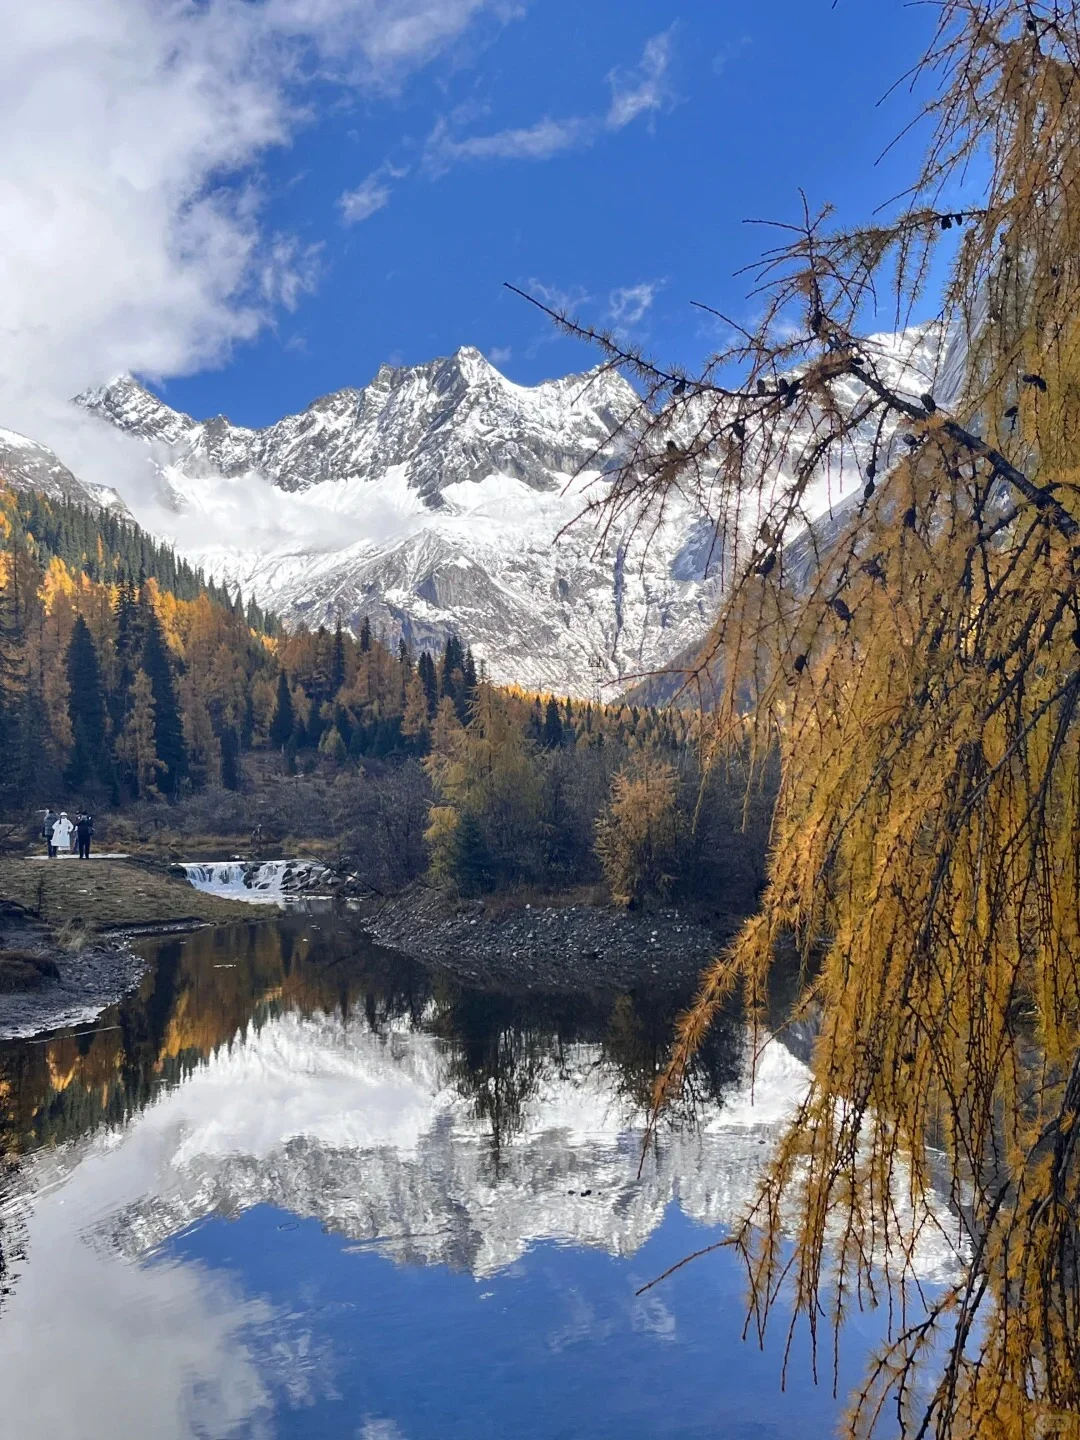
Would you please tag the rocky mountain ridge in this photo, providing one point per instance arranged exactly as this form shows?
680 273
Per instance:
27 466
449 421
445 498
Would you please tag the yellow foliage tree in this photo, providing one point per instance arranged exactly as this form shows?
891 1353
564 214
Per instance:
918 664
637 838
414 722
135 748
485 769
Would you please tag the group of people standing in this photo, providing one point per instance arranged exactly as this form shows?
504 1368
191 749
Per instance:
62 835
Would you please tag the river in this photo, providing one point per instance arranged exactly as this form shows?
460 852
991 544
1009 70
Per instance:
294 1186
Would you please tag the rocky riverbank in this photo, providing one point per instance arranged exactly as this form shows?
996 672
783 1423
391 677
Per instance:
57 981
548 946
68 920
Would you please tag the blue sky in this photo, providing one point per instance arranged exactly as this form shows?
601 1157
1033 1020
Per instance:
252 202
631 212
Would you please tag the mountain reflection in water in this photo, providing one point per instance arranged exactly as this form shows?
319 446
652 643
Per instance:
294 1185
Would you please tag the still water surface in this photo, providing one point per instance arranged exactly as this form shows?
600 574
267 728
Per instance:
294 1187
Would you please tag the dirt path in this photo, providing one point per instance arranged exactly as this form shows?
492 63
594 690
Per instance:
109 895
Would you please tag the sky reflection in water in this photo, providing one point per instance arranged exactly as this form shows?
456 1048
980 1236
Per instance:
304 1191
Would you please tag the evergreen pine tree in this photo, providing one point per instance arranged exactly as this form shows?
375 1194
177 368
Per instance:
553 726
168 726
247 724
337 660
452 677
128 644
426 670
230 758
365 635
88 762
472 865
284 722
468 672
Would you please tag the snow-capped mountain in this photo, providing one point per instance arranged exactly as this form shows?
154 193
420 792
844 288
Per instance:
445 498
431 501
25 465
449 421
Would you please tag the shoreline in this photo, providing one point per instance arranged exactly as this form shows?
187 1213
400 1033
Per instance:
552 943
80 916
548 945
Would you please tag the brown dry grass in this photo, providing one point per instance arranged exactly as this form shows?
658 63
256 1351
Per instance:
108 894
23 970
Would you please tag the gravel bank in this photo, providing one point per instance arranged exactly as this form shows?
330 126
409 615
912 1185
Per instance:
550 947
90 977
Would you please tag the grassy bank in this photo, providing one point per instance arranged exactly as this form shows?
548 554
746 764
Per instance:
108 894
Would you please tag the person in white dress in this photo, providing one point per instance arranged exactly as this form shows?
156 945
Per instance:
62 834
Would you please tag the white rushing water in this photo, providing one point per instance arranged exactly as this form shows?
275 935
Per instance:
258 882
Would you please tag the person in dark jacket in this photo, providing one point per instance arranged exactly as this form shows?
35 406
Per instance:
47 824
84 829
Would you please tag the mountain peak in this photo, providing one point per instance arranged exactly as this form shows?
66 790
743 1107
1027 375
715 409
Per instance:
445 421
126 403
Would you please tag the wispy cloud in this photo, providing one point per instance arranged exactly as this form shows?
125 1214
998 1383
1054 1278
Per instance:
532 142
729 52
639 90
289 271
371 194
555 297
368 197
629 304
643 88
500 354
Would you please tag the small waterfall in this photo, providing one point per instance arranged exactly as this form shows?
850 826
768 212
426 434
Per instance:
216 876
259 882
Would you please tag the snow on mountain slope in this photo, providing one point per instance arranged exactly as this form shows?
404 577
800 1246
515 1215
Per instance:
450 420
445 498
25 465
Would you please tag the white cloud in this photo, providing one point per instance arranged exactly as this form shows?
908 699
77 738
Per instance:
629 304
289 270
729 52
532 142
500 354
644 88
129 181
635 92
371 194
556 297
368 197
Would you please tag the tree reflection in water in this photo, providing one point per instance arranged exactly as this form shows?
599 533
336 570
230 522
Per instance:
210 989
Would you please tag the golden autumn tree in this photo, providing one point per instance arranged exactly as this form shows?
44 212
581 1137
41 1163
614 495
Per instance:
917 662
486 791
637 836
135 747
